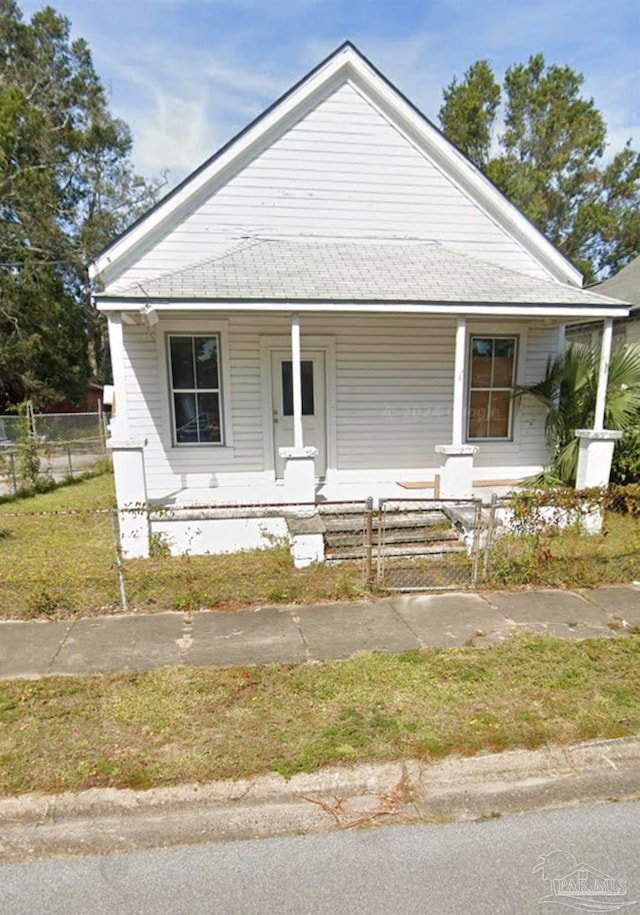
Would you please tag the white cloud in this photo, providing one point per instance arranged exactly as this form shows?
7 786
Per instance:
186 76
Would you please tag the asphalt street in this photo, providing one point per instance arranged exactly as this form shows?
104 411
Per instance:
497 866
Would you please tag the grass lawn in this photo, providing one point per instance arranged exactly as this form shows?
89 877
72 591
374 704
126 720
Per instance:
60 566
173 725
568 558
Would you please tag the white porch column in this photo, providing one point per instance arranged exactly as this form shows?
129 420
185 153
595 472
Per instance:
597 444
603 374
119 425
296 371
456 459
131 495
457 436
299 468
128 457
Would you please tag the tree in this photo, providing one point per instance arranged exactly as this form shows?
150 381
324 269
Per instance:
568 393
548 158
67 187
469 111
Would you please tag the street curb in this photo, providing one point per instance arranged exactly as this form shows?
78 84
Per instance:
111 820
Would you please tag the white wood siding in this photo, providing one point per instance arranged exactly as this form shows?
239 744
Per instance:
393 396
342 170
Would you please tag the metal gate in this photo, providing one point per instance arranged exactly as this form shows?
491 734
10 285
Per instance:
428 544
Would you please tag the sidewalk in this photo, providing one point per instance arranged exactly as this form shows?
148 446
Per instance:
309 633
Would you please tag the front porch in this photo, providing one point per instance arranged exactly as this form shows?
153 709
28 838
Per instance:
418 416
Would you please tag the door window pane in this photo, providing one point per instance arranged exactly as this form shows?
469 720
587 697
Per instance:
308 407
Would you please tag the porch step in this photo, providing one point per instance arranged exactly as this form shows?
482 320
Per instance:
430 521
337 538
408 549
415 532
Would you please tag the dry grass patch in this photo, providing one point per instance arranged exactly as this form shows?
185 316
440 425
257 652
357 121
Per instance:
568 558
59 566
173 725
64 565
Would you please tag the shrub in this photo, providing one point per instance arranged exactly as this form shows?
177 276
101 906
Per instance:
626 459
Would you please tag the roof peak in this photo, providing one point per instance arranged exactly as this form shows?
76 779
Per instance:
345 63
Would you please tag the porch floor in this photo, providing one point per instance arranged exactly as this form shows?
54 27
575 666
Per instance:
326 491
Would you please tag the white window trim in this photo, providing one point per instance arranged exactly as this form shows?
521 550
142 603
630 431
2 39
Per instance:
492 329
194 327
195 390
491 438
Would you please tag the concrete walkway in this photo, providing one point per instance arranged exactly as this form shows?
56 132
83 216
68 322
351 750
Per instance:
309 633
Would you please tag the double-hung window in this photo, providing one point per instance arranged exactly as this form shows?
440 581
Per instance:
196 394
492 376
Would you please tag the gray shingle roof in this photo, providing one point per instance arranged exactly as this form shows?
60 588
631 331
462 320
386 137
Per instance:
625 284
352 271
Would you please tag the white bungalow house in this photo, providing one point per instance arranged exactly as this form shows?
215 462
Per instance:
337 304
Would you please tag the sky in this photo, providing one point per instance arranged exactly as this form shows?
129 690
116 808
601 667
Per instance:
186 75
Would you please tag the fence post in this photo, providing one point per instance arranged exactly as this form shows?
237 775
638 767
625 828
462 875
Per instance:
32 419
69 458
12 473
119 569
476 542
380 573
489 539
368 543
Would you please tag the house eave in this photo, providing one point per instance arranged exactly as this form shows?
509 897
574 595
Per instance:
574 311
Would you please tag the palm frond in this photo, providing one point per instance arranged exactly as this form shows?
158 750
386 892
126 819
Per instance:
568 392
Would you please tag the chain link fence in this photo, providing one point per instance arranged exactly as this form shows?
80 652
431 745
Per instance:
70 562
36 448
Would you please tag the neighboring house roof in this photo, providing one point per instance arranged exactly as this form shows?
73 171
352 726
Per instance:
624 285
323 270
346 64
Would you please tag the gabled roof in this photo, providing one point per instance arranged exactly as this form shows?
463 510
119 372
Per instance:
323 270
345 64
624 285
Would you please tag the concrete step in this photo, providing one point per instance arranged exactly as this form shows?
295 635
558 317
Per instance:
402 535
409 549
392 521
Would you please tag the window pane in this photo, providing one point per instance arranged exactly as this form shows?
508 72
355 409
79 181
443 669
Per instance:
481 353
503 363
206 350
182 362
209 428
499 415
186 425
478 414
308 406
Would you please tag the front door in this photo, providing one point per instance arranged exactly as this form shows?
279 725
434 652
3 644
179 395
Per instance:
314 423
